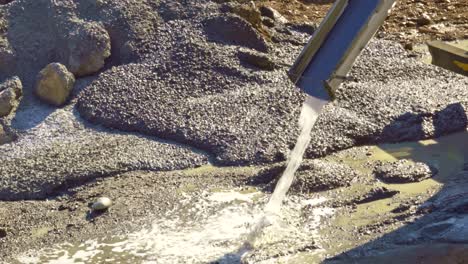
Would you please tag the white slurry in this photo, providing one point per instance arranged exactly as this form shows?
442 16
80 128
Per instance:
205 227
309 114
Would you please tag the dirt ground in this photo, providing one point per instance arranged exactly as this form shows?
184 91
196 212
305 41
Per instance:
411 21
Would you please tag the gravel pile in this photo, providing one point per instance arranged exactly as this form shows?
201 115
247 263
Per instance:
403 171
64 152
192 88
196 91
177 77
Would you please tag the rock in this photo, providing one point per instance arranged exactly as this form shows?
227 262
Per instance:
257 59
3 233
376 193
54 84
5 137
303 27
250 13
403 171
424 20
312 176
7 100
268 22
103 203
88 45
4 2
11 91
273 14
234 30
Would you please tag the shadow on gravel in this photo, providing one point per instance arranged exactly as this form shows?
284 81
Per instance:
31 113
433 237
412 126
91 215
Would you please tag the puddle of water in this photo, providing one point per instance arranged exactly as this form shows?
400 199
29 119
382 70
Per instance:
448 154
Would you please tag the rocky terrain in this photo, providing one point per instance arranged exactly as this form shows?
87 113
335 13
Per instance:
112 97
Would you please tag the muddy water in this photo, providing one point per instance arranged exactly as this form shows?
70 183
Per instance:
207 226
448 154
221 219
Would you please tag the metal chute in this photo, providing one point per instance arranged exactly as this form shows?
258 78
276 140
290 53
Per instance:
332 50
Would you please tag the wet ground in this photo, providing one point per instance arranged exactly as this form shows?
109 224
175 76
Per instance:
209 222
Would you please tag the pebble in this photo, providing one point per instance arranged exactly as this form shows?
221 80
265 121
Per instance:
424 20
101 204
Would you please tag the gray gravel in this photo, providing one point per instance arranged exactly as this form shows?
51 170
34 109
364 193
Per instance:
197 93
194 90
56 149
182 81
312 176
64 151
403 171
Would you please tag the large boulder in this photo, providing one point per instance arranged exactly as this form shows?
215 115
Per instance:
11 91
54 84
87 46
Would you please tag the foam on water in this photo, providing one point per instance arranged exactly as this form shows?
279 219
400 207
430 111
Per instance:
206 227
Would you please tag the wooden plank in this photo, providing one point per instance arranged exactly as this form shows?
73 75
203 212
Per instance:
449 57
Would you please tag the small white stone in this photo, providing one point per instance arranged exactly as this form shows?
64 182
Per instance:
102 204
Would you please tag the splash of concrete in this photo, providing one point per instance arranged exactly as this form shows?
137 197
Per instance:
309 114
